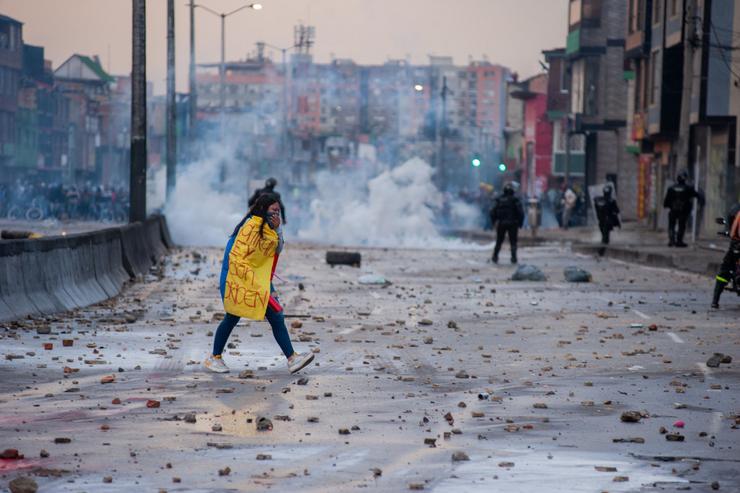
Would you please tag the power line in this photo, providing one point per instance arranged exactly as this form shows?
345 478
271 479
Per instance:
722 51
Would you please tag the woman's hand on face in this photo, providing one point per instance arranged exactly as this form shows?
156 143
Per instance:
275 221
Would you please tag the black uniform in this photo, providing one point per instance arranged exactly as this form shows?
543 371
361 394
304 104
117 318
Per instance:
679 201
607 212
263 190
508 216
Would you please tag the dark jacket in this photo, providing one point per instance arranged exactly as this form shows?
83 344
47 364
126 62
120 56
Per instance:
607 212
264 190
507 211
679 198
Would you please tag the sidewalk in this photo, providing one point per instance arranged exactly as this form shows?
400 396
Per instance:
632 243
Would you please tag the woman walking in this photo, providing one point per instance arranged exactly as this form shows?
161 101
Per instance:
246 282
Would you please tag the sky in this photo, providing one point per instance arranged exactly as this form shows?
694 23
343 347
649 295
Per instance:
509 32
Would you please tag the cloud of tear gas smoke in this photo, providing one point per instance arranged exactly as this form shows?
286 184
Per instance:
202 211
400 207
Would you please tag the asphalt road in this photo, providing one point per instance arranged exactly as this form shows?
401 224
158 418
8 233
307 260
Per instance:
559 363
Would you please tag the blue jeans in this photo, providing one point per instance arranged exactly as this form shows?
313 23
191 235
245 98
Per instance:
276 320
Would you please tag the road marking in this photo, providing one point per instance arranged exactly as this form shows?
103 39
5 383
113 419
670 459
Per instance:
640 314
675 338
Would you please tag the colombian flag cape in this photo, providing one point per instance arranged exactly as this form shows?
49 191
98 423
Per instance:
249 262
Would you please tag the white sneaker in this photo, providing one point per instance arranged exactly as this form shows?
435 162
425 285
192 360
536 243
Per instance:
216 365
299 361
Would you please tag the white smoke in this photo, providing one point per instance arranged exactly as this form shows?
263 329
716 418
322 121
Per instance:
398 208
200 212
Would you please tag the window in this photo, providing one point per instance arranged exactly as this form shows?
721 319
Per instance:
564 77
636 15
674 10
592 9
575 12
576 93
591 102
654 78
657 11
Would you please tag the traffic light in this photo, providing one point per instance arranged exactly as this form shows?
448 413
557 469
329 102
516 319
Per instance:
475 161
502 167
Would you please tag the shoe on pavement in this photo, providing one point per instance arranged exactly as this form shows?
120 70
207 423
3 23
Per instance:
494 260
715 306
299 361
681 245
215 364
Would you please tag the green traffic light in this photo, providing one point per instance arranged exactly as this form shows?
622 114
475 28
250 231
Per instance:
475 162
502 167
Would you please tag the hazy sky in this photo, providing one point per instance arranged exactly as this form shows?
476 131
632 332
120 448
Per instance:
509 32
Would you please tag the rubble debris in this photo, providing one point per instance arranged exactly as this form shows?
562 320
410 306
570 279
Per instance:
23 484
373 280
11 454
459 456
264 424
631 417
717 358
525 272
573 273
675 437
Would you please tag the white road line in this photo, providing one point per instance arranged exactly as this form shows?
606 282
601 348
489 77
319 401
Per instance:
675 337
640 314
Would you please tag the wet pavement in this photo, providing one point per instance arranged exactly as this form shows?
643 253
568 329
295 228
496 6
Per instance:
392 403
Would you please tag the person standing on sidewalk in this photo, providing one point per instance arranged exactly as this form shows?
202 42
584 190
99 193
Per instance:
507 215
569 203
729 263
679 200
246 282
607 212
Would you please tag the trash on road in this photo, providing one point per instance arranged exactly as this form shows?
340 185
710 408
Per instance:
343 258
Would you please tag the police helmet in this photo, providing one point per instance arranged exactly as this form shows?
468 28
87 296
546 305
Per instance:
681 178
508 189
270 183
607 190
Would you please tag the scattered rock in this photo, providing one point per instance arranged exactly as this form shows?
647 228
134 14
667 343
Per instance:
539 405
152 404
631 417
528 273
11 454
264 457
459 456
462 374
425 321
505 464
416 486
576 274
344 431
244 374
675 437
62 440
629 440
189 418
225 471
621 479
23 484
264 424
108 379
216 427
377 472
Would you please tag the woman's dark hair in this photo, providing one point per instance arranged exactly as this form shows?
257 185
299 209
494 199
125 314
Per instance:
259 209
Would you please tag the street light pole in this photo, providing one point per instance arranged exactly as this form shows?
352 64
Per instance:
137 182
222 72
193 88
171 109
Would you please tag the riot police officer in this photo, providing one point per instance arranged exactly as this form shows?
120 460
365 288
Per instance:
679 202
507 214
729 263
607 212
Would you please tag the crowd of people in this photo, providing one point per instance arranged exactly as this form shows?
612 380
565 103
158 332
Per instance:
25 200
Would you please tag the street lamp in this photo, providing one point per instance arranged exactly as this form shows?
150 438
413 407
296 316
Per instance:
418 88
222 67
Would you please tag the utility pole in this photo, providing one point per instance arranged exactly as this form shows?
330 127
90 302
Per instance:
443 136
222 73
689 48
171 108
193 108
137 186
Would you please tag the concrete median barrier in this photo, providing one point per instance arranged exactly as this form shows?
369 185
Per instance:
55 274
